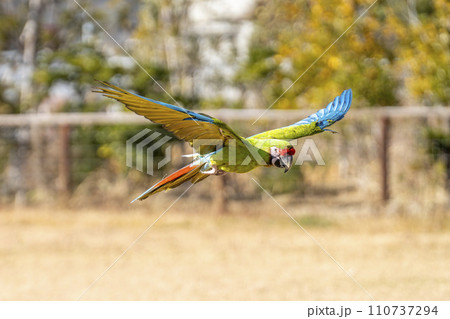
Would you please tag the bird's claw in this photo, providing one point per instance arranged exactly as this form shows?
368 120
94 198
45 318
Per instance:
211 171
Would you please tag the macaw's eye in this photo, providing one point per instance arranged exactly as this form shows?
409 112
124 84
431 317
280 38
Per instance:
274 151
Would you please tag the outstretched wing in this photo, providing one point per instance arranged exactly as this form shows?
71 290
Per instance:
314 123
184 124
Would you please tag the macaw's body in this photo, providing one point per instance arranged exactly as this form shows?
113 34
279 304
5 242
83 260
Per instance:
220 149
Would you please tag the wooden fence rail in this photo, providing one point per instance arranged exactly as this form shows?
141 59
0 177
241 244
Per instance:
11 120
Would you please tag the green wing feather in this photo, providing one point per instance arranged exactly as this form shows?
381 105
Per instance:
184 124
313 124
291 132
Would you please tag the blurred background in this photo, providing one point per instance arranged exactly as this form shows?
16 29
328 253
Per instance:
380 204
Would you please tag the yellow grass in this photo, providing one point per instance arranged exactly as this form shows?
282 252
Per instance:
51 254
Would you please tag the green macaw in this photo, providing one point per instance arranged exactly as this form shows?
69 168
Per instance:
220 149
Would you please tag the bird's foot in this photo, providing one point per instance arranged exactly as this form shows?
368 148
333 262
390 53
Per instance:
211 171
214 171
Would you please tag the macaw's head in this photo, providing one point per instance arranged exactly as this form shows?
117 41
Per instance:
282 155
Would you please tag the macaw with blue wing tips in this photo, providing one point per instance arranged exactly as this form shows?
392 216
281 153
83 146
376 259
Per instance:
229 152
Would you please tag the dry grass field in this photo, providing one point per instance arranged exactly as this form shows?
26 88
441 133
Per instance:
189 254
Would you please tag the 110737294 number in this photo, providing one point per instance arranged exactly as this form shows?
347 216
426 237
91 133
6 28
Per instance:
402 310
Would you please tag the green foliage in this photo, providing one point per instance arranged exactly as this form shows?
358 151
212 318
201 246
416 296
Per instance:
423 53
439 149
10 30
73 52
105 146
395 46
10 27
259 65
78 66
438 143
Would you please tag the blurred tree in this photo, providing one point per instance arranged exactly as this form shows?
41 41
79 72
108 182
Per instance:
72 55
12 17
381 54
423 50
199 53
72 58
67 54
161 34
29 39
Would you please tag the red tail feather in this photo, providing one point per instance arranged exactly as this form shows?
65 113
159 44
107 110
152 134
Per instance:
174 180
175 175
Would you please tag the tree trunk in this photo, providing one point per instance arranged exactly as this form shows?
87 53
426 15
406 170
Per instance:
29 39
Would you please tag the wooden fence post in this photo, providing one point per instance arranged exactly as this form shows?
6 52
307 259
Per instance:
64 169
37 148
384 157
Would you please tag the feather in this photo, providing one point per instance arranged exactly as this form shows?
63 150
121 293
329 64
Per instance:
175 179
315 123
184 124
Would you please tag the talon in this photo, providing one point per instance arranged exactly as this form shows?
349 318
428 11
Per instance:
214 171
211 171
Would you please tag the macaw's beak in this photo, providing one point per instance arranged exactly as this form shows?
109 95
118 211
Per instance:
286 162
283 161
282 158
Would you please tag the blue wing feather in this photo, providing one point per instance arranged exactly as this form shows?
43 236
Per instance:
333 112
192 115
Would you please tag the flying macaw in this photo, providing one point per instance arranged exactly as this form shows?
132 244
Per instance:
220 148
